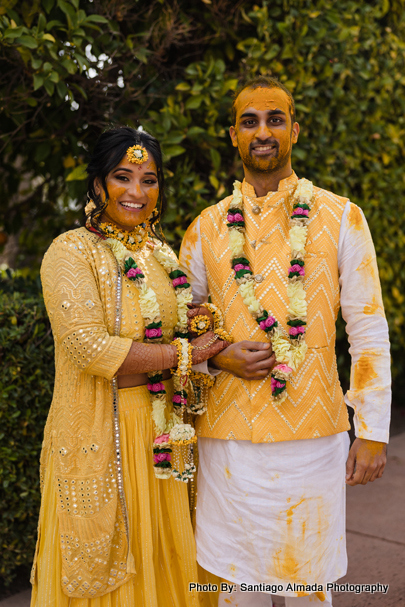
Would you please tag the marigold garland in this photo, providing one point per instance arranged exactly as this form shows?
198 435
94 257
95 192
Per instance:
290 352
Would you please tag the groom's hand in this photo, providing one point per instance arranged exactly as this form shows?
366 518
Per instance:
246 359
366 461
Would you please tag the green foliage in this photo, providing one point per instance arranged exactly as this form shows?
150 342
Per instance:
26 353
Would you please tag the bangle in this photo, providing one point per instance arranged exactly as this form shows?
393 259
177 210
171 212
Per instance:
200 324
222 334
208 344
184 356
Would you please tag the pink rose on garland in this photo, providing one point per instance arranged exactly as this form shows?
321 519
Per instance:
276 384
150 333
297 268
283 369
161 457
133 272
296 330
269 322
300 211
181 280
156 387
240 266
163 438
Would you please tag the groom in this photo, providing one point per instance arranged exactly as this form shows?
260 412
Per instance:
274 452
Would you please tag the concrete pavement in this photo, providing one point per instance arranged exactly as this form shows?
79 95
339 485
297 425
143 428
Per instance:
376 535
22 599
375 538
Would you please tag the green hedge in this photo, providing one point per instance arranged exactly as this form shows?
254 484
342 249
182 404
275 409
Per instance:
26 382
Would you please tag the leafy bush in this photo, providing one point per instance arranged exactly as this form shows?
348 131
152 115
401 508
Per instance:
26 382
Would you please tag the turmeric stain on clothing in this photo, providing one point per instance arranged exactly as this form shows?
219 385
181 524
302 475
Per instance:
362 423
189 244
364 371
290 510
367 263
372 307
355 218
191 236
285 561
227 472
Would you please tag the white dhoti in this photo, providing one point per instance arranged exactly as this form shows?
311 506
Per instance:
273 514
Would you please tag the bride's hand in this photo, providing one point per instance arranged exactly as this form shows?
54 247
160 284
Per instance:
199 356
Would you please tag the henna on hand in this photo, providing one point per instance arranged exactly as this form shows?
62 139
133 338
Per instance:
199 356
143 358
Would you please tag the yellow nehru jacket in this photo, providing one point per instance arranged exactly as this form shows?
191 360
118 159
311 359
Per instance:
245 410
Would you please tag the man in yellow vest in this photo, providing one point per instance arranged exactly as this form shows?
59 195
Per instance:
279 257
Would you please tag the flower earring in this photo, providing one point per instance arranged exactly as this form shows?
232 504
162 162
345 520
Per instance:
152 216
90 206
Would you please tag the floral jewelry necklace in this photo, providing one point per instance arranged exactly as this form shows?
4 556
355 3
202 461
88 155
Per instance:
133 241
173 432
290 352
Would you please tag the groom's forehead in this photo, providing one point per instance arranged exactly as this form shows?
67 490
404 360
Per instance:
262 99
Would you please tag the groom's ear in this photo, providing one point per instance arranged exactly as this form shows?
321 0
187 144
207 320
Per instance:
232 133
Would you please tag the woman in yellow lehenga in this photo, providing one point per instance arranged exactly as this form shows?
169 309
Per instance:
114 528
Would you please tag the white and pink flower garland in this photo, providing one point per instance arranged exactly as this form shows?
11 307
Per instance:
167 431
290 351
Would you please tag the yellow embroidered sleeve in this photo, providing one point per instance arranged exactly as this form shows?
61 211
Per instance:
78 318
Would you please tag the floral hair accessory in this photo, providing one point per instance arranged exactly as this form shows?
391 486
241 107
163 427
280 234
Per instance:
137 154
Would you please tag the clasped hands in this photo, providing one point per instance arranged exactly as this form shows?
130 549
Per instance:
245 359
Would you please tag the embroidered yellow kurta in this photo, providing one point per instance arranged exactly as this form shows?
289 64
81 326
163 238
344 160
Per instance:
245 410
80 279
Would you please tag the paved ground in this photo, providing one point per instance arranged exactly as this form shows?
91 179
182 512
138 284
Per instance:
376 535
375 538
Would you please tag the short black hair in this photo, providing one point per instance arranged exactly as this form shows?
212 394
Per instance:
108 152
268 82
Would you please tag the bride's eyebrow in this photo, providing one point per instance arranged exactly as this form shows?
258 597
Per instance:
122 169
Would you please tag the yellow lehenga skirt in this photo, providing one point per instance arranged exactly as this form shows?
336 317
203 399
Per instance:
162 537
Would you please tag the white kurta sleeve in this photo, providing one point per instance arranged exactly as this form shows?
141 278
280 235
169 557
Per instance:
362 309
192 262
